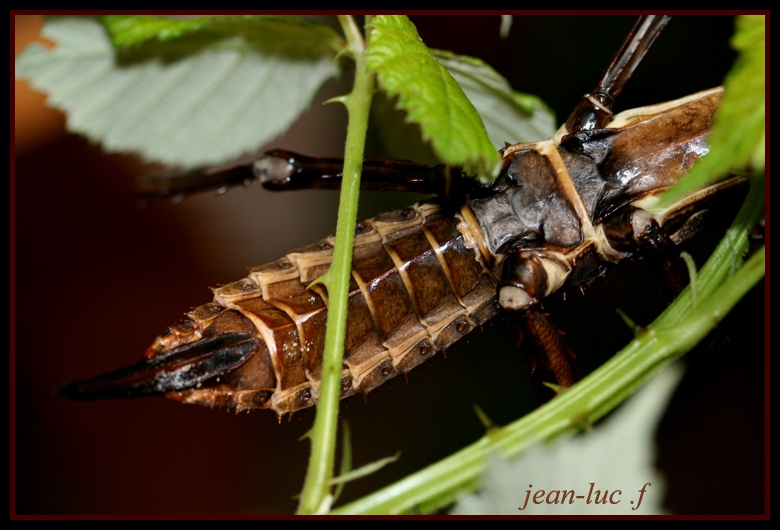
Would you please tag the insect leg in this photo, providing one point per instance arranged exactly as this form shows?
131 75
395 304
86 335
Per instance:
168 185
642 228
528 276
595 109
281 170
548 358
665 260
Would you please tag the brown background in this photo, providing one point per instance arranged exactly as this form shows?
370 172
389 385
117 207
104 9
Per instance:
96 278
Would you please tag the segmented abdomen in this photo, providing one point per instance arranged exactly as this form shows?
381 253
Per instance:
418 285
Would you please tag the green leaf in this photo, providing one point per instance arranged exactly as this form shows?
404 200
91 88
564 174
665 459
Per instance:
574 463
744 103
509 116
129 30
406 68
737 142
203 98
305 34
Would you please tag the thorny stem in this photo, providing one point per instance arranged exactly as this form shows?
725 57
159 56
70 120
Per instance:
673 334
316 496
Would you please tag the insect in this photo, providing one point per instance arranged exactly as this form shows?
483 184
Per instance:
561 213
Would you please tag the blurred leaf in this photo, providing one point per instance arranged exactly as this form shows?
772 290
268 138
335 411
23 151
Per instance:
399 137
406 68
201 99
508 116
618 454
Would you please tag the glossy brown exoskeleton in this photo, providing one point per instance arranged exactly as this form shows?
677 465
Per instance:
561 212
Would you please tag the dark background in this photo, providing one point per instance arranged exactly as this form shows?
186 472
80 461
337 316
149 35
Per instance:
96 278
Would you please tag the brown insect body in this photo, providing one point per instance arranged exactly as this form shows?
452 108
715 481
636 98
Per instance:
561 212
417 287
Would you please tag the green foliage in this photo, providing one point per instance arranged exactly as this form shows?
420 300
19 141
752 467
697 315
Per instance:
406 68
202 91
281 31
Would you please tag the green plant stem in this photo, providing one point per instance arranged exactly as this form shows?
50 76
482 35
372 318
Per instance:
673 334
316 497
